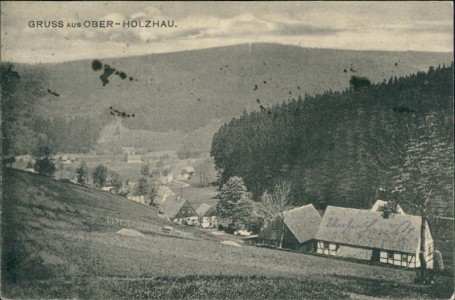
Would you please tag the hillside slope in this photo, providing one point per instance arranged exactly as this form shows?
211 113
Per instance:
185 90
179 93
57 243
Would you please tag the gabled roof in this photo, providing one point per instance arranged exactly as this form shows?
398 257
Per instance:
380 203
205 210
369 229
303 222
172 206
188 169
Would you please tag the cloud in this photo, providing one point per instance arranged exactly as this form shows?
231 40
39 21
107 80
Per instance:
303 29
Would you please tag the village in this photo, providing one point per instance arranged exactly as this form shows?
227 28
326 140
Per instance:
383 235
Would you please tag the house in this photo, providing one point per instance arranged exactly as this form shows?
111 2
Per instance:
128 151
207 216
300 227
179 210
162 194
133 158
368 235
188 170
380 203
251 240
186 173
72 157
165 179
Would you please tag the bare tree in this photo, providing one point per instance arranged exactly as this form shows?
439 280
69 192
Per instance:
276 202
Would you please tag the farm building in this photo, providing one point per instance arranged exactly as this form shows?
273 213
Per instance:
128 151
133 158
300 227
207 216
380 203
368 235
179 210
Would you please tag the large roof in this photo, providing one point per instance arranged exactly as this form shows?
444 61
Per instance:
172 205
303 222
366 228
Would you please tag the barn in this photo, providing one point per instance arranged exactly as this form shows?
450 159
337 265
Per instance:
367 235
207 216
179 210
300 227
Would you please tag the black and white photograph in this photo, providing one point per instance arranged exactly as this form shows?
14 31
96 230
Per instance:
227 150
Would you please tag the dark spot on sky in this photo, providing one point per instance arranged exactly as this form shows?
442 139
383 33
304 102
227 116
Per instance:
108 71
120 113
53 93
96 65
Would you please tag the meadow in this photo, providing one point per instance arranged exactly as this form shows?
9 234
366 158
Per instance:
57 243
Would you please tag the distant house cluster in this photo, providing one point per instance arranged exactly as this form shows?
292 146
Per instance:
367 235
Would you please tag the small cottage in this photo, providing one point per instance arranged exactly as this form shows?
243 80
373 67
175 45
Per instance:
207 216
179 210
300 227
368 235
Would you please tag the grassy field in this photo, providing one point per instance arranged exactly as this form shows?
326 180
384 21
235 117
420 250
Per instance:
57 243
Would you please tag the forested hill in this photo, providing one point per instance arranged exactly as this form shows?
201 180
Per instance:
341 147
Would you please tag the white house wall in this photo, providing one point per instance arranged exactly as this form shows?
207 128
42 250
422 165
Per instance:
354 252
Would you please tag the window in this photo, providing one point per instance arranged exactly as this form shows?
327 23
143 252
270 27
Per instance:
390 255
326 245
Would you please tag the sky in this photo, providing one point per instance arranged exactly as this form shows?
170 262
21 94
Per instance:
389 26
